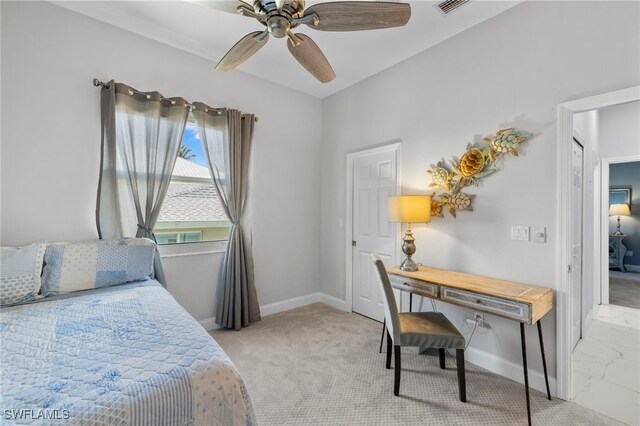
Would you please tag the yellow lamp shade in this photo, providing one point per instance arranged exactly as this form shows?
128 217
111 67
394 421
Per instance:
410 209
619 210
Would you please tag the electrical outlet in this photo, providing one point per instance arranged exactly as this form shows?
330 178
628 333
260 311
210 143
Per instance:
479 319
629 253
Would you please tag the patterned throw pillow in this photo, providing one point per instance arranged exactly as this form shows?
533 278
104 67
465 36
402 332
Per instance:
20 270
73 266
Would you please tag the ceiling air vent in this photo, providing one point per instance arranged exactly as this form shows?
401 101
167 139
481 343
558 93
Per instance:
449 6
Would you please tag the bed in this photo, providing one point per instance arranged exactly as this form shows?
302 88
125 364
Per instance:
122 355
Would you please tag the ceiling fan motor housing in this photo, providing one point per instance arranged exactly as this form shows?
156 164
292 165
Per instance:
278 21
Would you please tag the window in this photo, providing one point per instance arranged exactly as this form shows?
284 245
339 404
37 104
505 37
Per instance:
178 237
191 211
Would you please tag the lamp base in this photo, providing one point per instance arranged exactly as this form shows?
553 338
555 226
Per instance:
618 232
408 265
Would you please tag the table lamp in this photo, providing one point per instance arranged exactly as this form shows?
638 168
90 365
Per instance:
409 209
619 210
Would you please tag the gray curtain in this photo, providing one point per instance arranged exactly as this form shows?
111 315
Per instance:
141 134
226 137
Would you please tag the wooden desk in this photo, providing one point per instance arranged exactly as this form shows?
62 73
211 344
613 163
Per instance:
524 303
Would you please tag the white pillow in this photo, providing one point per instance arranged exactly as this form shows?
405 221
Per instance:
20 271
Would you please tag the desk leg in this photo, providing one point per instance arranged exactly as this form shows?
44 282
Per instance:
544 360
384 328
526 374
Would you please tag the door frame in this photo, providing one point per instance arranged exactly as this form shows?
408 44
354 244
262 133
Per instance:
393 146
565 113
605 164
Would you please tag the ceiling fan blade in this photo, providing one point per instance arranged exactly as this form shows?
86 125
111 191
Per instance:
358 15
243 50
311 57
230 6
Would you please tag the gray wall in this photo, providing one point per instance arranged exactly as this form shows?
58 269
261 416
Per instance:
512 70
51 138
628 175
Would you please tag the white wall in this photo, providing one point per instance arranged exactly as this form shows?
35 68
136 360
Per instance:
51 139
619 130
512 70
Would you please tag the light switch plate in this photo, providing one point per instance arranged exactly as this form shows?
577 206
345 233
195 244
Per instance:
539 235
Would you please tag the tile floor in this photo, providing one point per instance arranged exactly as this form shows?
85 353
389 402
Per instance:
606 364
624 289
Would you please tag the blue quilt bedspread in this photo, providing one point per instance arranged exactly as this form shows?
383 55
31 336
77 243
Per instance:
127 355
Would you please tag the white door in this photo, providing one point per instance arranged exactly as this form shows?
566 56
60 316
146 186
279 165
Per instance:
576 243
374 180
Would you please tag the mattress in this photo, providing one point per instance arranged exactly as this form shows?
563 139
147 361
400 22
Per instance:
125 355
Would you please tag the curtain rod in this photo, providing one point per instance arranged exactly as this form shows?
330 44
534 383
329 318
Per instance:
98 83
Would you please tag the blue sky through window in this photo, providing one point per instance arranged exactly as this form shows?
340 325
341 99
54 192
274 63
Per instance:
191 140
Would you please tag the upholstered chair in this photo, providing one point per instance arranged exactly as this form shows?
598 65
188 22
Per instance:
417 329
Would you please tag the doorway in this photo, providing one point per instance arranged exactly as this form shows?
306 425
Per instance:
372 176
598 372
621 227
565 225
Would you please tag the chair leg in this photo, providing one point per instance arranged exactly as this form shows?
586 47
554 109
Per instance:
384 328
388 350
461 379
441 355
398 368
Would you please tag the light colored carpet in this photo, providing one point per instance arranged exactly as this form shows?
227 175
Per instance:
320 366
624 289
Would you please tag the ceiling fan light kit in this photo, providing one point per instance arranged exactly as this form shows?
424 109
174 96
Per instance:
280 17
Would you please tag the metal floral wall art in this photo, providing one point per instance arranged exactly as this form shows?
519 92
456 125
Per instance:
475 164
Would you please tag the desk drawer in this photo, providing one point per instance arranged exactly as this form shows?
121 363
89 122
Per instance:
421 288
489 304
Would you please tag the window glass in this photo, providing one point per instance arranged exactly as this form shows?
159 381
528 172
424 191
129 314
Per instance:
191 211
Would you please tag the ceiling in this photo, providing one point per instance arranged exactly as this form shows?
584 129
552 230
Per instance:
354 55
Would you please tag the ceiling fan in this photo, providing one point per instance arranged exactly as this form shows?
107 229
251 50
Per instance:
280 17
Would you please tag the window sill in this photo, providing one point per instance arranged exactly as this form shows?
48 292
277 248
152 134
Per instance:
192 249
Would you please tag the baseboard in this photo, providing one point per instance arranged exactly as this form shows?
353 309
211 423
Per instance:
586 325
634 268
508 369
209 323
285 305
334 302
